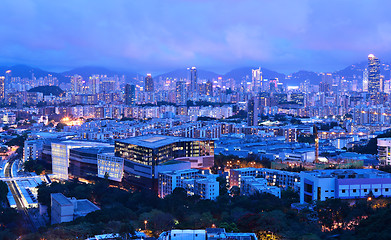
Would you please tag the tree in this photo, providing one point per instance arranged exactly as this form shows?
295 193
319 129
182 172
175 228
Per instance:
3 191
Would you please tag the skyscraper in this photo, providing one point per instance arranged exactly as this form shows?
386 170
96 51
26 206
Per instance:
180 93
130 94
373 76
256 79
149 87
193 82
94 84
2 88
252 111
365 80
77 84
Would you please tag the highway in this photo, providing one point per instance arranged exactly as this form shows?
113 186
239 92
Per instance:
29 221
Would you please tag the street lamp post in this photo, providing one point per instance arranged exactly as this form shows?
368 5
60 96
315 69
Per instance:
145 224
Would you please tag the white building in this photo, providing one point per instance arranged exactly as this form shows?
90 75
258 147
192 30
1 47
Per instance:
60 155
111 165
32 150
384 151
251 185
192 180
65 209
279 178
320 185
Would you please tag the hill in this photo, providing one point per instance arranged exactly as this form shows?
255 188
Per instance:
47 90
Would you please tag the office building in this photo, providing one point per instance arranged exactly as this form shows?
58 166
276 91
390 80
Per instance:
252 111
130 94
65 209
110 166
320 185
60 155
83 161
145 156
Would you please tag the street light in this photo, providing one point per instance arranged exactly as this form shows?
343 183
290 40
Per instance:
145 224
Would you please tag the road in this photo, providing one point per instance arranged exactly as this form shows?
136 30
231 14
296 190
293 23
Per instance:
29 221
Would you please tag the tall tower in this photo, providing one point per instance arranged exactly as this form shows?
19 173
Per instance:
2 88
373 76
256 79
7 82
252 111
130 94
193 82
149 87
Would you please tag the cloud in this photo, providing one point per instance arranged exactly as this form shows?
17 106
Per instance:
160 35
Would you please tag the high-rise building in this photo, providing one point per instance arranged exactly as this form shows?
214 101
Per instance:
2 88
7 82
94 84
209 88
193 82
77 84
252 111
180 93
130 94
365 81
256 79
373 76
148 84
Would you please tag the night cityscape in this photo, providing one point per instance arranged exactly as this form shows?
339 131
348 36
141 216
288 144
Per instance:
195 120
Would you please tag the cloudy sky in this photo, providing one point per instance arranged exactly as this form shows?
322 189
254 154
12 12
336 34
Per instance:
218 35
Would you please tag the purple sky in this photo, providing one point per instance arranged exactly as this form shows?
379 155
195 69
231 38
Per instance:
217 35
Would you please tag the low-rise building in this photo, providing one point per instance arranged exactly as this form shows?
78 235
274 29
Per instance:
251 185
279 178
65 209
320 185
194 181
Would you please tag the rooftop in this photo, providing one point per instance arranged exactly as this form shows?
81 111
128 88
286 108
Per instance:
349 173
61 199
155 141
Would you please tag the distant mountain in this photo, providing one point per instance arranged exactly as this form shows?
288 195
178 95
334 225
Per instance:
301 76
183 73
24 71
47 90
240 74
88 71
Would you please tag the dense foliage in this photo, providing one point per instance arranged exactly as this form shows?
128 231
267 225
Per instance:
123 212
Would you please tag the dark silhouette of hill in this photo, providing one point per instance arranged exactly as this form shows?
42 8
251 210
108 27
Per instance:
47 90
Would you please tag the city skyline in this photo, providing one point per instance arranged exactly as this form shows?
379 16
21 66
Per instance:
155 37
